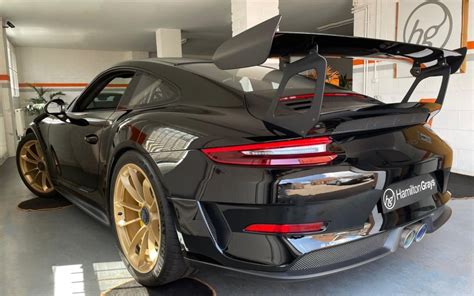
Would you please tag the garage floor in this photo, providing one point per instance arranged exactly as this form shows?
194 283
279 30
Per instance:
64 251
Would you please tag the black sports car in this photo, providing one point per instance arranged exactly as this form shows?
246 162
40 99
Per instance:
225 162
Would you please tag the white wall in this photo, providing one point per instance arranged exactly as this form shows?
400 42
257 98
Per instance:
47 66
7 126
248 13
455 123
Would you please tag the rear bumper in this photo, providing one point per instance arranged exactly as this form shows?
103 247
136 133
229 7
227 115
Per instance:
341 257
216 203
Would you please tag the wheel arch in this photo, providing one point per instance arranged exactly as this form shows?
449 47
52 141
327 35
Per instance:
118 152
34 129
29 131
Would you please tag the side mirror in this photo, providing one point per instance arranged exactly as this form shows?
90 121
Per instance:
55 107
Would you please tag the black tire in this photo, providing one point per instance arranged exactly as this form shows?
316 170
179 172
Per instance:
170 265
28 137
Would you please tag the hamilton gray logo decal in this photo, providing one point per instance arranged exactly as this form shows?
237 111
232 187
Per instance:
401 194
389 199
419 30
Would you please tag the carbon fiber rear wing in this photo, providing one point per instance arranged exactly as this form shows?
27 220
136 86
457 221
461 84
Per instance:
253 46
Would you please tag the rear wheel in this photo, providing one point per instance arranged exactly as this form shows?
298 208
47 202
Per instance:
32 167
143 223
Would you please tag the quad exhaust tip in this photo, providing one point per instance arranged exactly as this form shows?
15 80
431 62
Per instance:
414 233
408 237
420 230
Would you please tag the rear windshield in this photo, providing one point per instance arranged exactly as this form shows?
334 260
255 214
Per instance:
251 79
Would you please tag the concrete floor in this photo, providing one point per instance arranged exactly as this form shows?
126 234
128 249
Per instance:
65 252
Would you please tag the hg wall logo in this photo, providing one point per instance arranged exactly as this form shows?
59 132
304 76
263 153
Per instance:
430 23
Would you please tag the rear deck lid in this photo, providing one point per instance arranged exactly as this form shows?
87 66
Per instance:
299 100
342 111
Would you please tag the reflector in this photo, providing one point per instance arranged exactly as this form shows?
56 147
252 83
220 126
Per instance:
286 228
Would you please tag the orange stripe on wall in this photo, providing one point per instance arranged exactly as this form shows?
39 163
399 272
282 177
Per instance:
356 62
427 100
50 84
4 77
53 84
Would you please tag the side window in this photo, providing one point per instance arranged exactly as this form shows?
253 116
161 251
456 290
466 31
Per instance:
110 96
149 91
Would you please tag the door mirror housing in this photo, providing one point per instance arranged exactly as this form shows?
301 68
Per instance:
55 107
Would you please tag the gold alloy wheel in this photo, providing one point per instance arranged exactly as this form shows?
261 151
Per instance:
33 167
137 218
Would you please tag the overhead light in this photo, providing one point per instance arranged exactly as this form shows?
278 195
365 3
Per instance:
335 25
8 24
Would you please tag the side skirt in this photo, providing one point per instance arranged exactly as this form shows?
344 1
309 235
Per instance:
86 207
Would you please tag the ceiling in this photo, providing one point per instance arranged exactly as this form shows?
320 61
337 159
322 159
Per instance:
130 25
308 15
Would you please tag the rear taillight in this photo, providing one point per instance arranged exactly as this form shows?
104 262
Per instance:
311 151
286 228
310 96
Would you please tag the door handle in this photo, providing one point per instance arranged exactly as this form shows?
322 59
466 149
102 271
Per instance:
91 139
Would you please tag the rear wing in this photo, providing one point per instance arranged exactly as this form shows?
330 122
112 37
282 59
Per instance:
253 46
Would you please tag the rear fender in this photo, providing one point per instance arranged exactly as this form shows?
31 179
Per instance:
115 154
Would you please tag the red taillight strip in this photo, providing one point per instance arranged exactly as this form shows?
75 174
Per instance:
286 228
271 145
300 152
309 96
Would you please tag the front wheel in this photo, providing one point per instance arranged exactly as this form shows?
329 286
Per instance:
31 164
143 223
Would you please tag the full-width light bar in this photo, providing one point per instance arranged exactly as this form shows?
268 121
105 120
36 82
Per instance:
300 152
